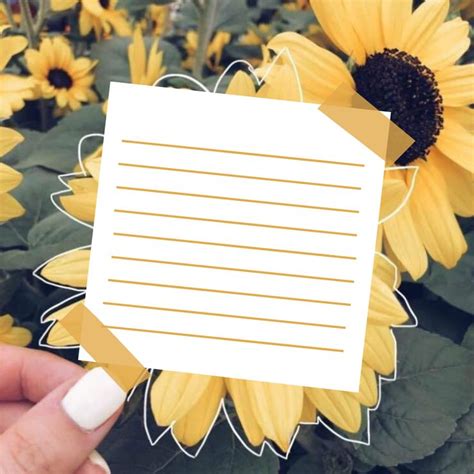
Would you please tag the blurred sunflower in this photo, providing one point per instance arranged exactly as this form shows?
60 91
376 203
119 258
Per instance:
266 411
14 90
405 63
60 75
159 17
9 179
213 53
13 335
99 15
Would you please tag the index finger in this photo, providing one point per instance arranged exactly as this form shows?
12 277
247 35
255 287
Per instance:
29 374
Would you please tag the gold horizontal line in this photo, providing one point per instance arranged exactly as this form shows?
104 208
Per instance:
219 244
212 290
223 315
246 153
230 339
252 224
245 270
227 198
228 175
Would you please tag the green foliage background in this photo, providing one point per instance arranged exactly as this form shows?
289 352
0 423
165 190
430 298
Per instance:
425 423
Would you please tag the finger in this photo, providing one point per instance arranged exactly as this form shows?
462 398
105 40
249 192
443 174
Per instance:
96 464
28 374
10 412
59 433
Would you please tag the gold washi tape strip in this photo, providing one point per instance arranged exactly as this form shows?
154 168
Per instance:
366 123
104 347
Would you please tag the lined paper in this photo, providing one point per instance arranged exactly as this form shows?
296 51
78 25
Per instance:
234 236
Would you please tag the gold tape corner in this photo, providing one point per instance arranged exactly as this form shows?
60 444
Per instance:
104 347
366 123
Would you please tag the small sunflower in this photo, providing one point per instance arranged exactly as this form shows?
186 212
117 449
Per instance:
13 335
60 75
404 62
9 178
190 402
98 15
14 90
159 17
213 53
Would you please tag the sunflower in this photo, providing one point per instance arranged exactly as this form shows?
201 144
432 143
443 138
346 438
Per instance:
14 90
60 75
190 402
9 178
13 335
143 71
213 53
159 17
404 62
98 15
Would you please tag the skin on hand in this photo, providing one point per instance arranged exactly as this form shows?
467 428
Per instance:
38 432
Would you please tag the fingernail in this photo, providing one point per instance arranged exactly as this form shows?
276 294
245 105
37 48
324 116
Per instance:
93 400
96 459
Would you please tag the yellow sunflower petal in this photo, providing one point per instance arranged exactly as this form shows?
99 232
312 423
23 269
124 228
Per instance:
17 337
309 58
460 184
240 396
422 24
336 23
277 408
9 208
457 143
81 206
384 308
395 16
9 178
283 85
341 408
456 85
463 115
393 194
119 22
379 351
368 391
309 412
447 45
9 139
10 46
173 394
137 56
85 22
241 84
6 322
192 427
401 234
386 272
434 218
69 269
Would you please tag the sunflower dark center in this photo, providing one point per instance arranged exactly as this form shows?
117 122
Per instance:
59 78
397 82
104 3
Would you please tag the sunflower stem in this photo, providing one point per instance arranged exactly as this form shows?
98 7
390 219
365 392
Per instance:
207 18
40 16
27 21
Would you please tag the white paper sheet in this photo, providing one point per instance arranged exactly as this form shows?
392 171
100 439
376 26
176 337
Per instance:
234 236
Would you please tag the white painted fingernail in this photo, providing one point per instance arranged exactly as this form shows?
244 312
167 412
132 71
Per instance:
96 459
93 400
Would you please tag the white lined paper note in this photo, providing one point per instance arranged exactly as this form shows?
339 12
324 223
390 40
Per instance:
234 236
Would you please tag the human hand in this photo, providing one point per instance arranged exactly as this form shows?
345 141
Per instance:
53 414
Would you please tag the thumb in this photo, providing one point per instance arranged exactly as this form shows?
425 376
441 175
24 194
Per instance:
60 432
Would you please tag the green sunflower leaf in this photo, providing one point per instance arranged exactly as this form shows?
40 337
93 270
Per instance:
456 456
455 286
418 411
127 450
51 236
57 149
